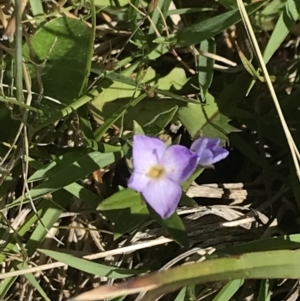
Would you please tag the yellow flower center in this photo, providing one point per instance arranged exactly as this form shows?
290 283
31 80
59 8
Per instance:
156 172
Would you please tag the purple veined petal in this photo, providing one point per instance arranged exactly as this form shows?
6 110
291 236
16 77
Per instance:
179 163
146 153
163 196
138 181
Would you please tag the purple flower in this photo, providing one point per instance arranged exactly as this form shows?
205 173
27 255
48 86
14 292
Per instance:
208 150
158 171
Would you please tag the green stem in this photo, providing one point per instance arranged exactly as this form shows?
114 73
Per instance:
18 49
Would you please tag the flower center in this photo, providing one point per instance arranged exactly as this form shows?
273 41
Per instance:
156 172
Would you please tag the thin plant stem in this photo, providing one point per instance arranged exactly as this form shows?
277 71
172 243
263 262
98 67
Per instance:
18 50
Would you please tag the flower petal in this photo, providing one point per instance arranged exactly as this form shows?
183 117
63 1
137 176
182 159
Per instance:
206 158
219 154
138 181
212 143
146 153
199 145
163 196
208 150
179 163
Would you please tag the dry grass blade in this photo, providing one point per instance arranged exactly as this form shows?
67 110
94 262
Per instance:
293 148
11 27
117 251
126 288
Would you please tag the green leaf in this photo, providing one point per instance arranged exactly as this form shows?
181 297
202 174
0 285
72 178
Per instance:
273 8
113 101
89 51
159 12
49 213
104 147
218 127
208 28
261 265
56 114
268 244
181 295
286 20
288 17
206 66
174 227
228 3
193 118
119 298
32 280
64 44
5 286
126 198
126 209
37 10
186 184
105 3
117 115
205 120
182 11
160 121
90 199
69 174
89 266
265 292
55 166
227 292
187 201
137 129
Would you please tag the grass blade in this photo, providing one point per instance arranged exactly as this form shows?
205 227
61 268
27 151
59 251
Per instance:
89 266
293 148
287 18
260 265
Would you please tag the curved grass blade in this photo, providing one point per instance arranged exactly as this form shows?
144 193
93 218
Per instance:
260 265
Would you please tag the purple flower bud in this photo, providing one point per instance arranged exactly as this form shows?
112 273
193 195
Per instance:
208 150
158 172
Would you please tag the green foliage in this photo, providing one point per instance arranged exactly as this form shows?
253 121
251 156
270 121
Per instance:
174 227
207 29
61 46
60 178
228 291
126 210
288 17
275 264
95 73
88 266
